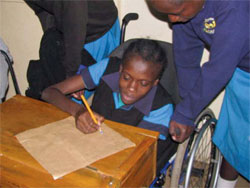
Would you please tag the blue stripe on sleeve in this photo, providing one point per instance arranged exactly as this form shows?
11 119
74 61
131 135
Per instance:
97 70
160 116
158 120
163 130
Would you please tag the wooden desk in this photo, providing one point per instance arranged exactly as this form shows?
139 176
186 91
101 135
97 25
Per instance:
133 167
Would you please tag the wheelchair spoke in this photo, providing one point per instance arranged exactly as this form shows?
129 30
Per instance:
203 160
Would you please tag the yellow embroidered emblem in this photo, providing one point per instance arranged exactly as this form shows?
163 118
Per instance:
209 25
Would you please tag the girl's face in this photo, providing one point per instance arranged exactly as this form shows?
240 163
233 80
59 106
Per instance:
137 78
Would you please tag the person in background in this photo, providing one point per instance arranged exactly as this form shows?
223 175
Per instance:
4 69
127 91
90 28
223 27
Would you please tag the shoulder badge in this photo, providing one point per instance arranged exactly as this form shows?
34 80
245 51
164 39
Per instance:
209 25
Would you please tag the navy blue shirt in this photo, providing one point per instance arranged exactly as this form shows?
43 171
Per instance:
223 27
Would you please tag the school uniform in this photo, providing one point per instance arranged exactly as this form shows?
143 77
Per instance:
223 27
83 24
152 112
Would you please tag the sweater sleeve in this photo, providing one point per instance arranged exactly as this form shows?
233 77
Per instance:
188 51
158 120
74 25
226 50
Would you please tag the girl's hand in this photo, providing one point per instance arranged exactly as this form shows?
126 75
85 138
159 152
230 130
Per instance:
78 94
85 123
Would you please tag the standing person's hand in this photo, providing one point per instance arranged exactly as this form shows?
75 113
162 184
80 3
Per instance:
180 132
85 123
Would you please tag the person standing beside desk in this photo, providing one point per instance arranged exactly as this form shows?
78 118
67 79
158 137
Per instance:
88 30
223 27
93 25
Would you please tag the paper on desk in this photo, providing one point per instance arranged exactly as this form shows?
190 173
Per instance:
61 148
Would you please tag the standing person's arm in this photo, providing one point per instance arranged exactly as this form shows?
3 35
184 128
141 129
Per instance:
74 27
229 45
188 50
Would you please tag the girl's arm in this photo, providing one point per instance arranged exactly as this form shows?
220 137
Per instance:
57 95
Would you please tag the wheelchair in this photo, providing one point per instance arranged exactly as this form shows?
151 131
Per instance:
196 162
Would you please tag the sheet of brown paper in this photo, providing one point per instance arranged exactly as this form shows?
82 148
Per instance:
61 148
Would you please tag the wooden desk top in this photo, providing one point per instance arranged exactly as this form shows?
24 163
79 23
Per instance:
131 167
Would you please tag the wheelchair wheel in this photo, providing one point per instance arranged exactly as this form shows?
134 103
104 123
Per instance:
201 159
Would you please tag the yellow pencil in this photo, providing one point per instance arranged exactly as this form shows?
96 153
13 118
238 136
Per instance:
90 111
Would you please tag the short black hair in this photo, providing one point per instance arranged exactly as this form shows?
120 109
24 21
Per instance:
149 50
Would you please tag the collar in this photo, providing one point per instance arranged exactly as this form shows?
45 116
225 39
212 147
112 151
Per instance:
144 105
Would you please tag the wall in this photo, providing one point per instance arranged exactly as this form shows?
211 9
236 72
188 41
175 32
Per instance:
21 31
